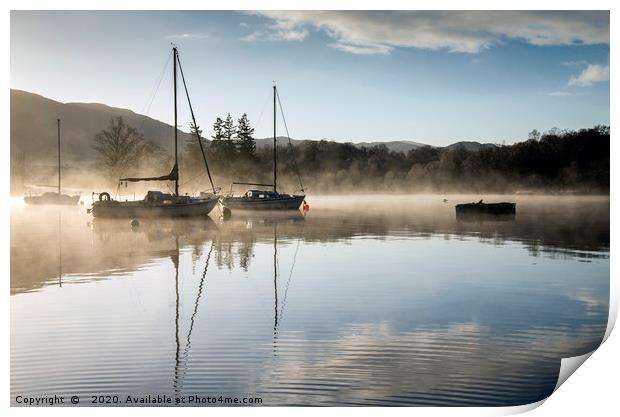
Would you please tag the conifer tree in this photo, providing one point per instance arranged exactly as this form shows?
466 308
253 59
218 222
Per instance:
218 130
246 146
217 144
192 154
228 133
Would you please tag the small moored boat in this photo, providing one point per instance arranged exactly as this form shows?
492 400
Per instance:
155 204
264 200
52 198
487 209
256 199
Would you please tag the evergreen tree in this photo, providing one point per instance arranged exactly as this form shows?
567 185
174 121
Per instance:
228 128
228 132
246 146
217 144
192 155
218 130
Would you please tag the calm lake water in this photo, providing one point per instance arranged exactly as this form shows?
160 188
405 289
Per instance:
376 300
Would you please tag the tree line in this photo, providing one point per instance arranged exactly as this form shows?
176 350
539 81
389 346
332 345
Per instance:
556 160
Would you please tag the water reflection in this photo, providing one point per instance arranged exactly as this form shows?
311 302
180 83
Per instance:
103 246
398 303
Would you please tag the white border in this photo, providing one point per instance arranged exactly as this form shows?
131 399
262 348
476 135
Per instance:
592 391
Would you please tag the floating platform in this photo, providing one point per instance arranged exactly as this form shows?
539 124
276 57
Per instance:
503 209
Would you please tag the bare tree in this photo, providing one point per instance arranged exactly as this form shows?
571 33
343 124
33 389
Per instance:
121 147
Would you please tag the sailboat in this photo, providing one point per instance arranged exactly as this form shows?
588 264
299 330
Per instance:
261 199
157 203
57 198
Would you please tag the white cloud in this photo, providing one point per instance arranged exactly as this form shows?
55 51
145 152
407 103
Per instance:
593 73
291 35
188 36
574 63
380 32
276 35
559 94
362 49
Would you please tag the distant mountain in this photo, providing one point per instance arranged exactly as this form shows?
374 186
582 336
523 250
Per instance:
395 146
33 127
282 140
471 146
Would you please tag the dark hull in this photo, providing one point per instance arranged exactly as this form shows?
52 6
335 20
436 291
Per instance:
492 209
481 217
54 199
138 209
280 203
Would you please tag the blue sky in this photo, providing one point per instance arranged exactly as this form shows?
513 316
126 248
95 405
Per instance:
432 77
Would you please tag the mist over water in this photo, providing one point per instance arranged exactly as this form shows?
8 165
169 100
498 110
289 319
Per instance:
366 300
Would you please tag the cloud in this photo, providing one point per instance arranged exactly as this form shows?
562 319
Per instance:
593 73
574 63
188 36
559 94
379 32
362 49
276 35
291 35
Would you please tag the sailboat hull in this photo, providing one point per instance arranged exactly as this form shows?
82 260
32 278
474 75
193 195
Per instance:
279 203
141 209
52 199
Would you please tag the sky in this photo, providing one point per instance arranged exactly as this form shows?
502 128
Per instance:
432 77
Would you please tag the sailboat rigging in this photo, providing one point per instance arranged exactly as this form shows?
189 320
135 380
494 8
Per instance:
157 203
257 199
58 197
182 358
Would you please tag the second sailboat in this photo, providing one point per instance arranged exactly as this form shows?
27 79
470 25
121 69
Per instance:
265 199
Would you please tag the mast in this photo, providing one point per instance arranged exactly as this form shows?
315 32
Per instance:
191 110
174 79
58 121
275 277
275 145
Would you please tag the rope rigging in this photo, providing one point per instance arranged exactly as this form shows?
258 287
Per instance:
147 107
149 103
288 282
288 136
196 129
260 116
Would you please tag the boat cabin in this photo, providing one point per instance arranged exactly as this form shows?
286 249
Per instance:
157 197
261 194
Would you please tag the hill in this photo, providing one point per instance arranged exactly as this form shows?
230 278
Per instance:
282 141
561 161
395 146
33 127
470 146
